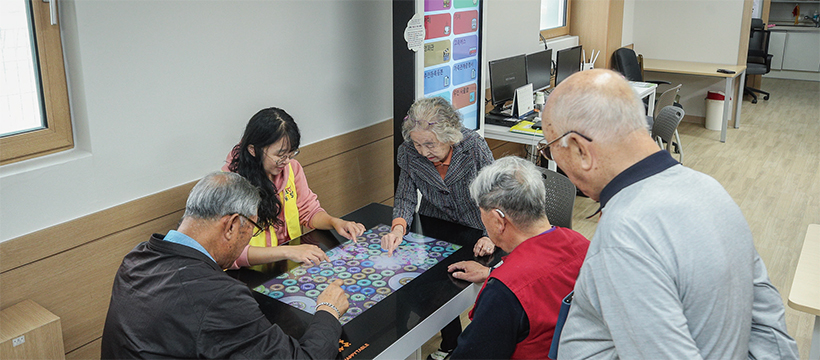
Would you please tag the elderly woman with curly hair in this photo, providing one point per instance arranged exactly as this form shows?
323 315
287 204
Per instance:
439 158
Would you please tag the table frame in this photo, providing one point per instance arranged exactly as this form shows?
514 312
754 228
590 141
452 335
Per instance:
707 69
440 298
805 293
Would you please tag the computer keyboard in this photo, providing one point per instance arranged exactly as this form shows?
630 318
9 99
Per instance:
531 116
500 120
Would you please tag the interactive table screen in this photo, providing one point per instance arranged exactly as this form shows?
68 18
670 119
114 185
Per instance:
369 275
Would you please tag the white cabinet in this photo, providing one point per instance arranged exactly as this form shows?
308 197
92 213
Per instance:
802 51
777 42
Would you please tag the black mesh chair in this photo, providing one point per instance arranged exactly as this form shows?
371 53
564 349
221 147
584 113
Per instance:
758 61
560 198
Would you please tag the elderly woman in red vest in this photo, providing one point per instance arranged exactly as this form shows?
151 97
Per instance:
515 313
264 156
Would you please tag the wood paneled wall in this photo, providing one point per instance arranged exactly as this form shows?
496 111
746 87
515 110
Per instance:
598 25
69 268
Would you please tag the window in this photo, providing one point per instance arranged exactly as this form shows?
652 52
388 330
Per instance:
554 18
34 113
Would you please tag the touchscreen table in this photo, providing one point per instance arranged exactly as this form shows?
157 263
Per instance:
368 274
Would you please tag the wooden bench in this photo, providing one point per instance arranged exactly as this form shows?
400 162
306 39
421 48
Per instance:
805 292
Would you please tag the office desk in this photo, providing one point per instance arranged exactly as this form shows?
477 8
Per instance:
400 324
805 291
643 89
503 133
706 69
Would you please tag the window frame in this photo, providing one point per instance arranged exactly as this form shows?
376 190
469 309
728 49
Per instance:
558 31
57 135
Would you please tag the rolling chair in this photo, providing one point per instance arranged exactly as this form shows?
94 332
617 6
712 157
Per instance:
758 60
560 198
626 62
666 126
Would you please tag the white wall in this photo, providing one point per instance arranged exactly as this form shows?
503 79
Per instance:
691 30
688 30
628 23
512 28
161 90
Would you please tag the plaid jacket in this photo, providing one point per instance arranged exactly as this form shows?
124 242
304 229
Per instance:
447 199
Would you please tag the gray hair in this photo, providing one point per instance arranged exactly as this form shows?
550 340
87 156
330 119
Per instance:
600 105
222 193
514 186
434 114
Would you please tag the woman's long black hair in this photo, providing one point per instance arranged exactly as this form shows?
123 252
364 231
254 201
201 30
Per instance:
265 128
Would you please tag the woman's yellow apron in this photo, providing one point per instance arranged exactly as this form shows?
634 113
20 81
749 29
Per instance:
291 210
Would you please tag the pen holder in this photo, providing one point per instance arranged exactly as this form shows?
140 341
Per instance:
588 66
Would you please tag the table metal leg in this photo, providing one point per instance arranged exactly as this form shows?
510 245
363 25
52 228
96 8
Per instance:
650 111
740 97
416 355
726 109
814 352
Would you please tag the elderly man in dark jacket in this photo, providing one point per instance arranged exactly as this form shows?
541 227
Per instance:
171 298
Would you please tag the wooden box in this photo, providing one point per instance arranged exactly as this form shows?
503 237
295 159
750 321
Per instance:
29 331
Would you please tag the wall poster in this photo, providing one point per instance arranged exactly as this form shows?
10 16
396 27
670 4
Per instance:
452 56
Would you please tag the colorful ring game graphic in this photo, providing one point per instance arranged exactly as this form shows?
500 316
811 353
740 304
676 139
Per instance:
369 275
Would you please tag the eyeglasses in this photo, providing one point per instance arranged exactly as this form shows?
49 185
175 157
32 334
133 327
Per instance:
427 145
259 229
544 149
419 122
281 159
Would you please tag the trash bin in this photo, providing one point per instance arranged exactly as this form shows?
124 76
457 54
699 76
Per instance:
714 109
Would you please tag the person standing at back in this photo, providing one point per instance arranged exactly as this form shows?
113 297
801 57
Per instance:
672 271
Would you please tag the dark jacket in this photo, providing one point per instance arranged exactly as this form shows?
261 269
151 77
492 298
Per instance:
172 301
447 199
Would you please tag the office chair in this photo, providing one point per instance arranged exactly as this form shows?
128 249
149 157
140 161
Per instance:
560 198
758 60
666 126
626 62
667 98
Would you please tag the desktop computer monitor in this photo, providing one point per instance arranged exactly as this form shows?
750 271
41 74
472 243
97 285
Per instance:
539 66
567 62
506 75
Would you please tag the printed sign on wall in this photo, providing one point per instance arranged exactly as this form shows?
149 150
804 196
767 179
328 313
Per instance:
451 54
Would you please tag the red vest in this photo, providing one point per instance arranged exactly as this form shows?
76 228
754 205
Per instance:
541 271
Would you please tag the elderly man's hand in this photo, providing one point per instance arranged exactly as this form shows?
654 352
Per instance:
335 296
470 271
483 246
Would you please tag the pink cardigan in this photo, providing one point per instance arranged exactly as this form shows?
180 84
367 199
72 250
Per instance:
306 200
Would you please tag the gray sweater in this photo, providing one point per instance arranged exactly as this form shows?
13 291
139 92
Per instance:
672 273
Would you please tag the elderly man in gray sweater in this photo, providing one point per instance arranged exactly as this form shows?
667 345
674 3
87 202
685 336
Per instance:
672 272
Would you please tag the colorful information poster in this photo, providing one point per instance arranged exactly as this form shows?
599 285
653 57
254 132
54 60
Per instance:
452 67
